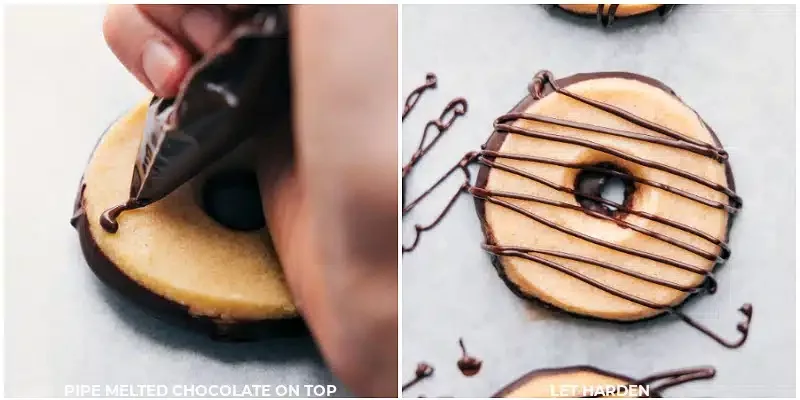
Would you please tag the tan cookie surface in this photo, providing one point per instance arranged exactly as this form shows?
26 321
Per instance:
510 228
624 10
568 383
173 248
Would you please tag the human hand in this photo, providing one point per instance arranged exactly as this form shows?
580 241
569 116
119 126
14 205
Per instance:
332 209
330 197
158 43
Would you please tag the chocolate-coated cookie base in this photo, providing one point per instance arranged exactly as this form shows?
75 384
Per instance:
166 309
176 313
607 22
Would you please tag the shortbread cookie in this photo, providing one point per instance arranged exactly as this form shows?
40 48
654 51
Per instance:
172 255
585 381
557 240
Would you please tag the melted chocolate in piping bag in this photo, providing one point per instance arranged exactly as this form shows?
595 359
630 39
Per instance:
242 87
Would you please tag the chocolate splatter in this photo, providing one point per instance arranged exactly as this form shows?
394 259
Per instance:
468 365
423 371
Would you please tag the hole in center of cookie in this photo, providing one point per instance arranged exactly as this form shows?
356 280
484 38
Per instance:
604 188
232 199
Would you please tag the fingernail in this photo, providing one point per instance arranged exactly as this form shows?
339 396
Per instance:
159 63
203 28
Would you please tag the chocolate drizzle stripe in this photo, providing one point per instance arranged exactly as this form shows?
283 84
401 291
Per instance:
483 195
452 111
462 165
620 207
620 222
700 148
594 168
614 152
546 77
503 167
526 254
416 94
587 260
422 372
607 20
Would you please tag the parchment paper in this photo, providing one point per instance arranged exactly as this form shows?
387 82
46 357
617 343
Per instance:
62 326
734 64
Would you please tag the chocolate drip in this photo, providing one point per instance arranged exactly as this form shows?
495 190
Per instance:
461 166
108 220
606 20
542 85
452 111
416 94
468 365
423 371
665 10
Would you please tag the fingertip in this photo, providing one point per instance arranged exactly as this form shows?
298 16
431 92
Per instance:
164 65
145 50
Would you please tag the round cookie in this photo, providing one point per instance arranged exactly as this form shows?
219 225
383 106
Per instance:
572 382
622 10
172 257
664 241
586 381
607 13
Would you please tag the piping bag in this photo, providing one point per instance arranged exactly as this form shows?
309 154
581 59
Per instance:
237 89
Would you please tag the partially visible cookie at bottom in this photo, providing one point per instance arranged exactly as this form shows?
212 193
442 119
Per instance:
587 381
606 14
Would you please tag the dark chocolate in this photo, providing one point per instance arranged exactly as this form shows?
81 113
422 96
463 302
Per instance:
457 107
413 98
467 364
542 85
606 19
452 111
423 371
240 89
667 379
108 220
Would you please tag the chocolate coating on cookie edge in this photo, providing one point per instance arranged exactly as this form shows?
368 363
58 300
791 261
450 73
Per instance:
607 16
164 308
